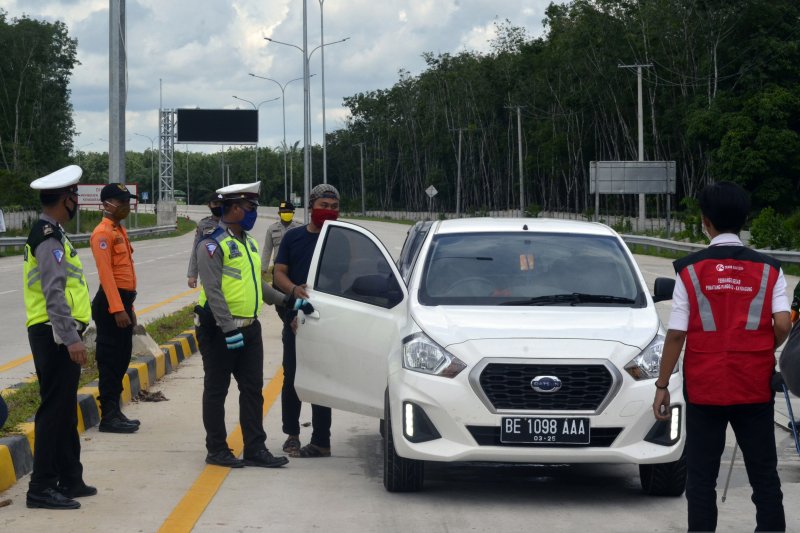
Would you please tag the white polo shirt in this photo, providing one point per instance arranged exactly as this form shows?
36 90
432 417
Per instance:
679 317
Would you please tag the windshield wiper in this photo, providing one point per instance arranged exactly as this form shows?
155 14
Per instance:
573 298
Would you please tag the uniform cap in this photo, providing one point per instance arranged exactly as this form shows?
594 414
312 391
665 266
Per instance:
60 179
116 190
323 190
241 191
285 207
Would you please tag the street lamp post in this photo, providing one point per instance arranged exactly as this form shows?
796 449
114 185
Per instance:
256 107
361 157
152 183
307 104
322 60
283 100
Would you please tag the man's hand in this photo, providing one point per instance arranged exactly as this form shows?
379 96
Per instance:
234 340
122 319
192 282
299 291
77 352
661 405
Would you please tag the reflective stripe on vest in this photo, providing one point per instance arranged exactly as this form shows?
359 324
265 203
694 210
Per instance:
241 276
706 316
757 305
76 291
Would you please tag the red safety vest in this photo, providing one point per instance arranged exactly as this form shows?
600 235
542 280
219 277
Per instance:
730 345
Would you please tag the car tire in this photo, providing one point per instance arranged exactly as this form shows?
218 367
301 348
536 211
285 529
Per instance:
665 479
399 474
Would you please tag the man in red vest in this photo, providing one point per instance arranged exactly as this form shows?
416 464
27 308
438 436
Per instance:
730 307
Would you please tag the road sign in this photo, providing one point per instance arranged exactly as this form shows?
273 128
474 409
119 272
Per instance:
90 194
632 177
431 191
145 195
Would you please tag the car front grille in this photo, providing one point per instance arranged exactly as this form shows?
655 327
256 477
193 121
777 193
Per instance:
490 436
507 386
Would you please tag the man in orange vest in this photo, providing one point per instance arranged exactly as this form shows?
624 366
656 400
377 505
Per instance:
730 308
112 307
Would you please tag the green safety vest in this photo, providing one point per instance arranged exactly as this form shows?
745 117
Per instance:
241 274
76 291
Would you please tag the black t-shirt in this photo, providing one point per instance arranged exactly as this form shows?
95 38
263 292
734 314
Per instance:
296 251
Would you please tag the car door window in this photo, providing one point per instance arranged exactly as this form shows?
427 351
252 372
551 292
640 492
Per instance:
353 267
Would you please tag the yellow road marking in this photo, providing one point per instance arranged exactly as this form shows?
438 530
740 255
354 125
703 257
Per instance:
185 515
29 357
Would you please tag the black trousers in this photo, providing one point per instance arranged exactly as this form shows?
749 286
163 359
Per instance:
246 365
705 441
290 403
113 352
57 457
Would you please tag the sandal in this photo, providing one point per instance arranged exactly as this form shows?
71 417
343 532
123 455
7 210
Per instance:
292 445
311 451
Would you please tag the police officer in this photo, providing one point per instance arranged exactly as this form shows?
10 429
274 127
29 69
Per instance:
730 307
276 231
205 227
228 330
58 311
112 307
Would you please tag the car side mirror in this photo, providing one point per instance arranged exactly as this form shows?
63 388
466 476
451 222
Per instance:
663 288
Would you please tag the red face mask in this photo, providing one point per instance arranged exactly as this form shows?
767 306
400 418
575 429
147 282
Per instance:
319 216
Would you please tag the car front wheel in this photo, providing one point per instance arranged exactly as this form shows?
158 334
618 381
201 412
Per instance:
399 474
665 479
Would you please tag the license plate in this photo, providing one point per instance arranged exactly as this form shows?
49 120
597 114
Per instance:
544 430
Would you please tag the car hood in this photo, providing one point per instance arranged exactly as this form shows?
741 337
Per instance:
448 325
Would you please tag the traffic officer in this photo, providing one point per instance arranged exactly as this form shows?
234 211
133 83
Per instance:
58 311
228 330
205 227
112 307
730 307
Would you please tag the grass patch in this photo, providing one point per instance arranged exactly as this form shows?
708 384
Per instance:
23 403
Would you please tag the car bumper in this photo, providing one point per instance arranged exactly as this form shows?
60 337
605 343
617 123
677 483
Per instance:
469 431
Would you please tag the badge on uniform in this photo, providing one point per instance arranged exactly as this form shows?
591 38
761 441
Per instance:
47 229
234 249
59 255
103 244
211 247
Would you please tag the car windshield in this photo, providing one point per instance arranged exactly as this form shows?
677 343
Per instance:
528 269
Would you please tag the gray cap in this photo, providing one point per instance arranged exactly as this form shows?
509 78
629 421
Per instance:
323 190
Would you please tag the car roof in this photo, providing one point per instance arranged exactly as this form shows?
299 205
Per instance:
541 225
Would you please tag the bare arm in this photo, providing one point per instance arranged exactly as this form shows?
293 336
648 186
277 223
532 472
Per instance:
673 344
781 326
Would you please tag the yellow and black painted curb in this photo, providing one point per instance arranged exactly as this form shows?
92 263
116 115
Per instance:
16 452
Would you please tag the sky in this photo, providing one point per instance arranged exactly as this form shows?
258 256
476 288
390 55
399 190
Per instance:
202 51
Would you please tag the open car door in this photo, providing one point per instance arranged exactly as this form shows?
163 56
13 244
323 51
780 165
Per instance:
360 307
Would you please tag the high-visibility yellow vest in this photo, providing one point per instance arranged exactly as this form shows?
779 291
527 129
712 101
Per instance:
76 291
241 274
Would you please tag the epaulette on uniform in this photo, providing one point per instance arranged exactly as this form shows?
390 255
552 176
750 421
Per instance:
40 232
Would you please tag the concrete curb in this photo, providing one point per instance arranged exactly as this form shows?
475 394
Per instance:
16 452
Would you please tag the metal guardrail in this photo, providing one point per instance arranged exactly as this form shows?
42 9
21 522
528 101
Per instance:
784 256
19 242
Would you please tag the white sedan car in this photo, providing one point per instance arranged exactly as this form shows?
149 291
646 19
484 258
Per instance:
499 340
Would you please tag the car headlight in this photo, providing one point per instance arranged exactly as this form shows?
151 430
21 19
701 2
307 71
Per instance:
646 364
421 354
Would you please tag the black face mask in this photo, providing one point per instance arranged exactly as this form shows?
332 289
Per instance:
73 211
216 211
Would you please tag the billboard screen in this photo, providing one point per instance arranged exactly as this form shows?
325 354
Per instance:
218 126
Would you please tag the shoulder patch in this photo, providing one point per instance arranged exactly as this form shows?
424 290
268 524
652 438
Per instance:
59 255
103 244
47 229
211 247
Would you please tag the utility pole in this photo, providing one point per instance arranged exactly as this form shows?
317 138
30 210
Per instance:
519 149
117 91
361 156
640 119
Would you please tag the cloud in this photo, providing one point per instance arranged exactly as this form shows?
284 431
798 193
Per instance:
203 51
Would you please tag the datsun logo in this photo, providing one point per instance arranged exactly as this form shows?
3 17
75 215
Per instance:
546 384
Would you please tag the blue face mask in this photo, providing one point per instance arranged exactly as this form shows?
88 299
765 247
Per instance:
249 220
